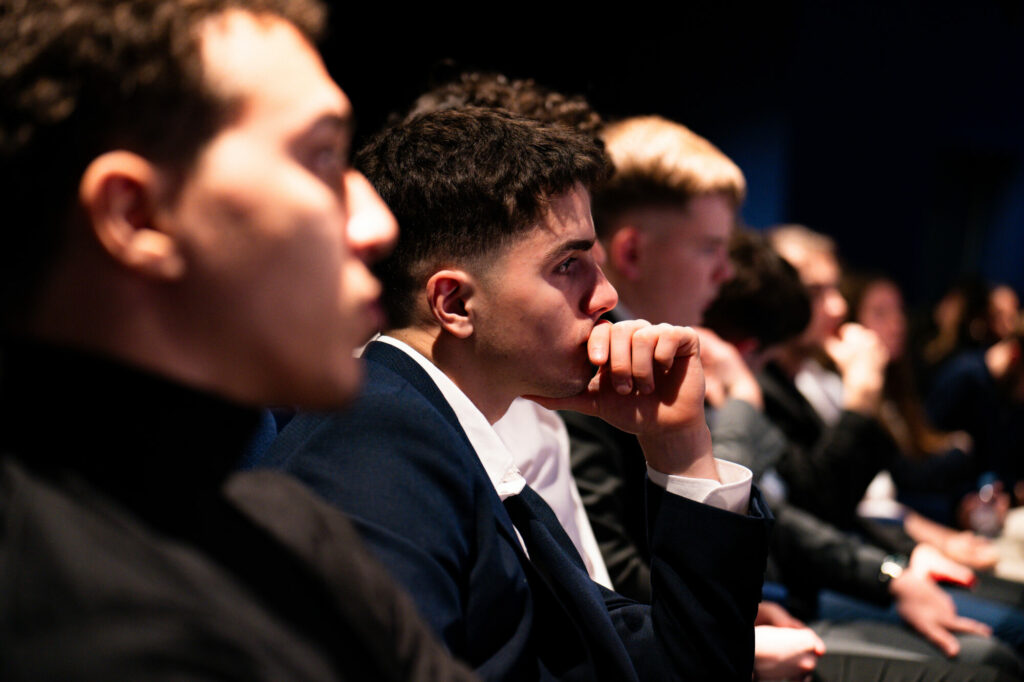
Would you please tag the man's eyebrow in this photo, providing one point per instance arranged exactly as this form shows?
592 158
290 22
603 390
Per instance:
572 245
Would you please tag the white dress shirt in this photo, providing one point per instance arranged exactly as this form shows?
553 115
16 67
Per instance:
822 388
539 444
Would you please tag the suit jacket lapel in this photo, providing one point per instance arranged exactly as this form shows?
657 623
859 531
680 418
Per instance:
404 366
401 364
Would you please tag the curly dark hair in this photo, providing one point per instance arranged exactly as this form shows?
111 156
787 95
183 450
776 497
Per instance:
765 299
521 96
82 77
463 183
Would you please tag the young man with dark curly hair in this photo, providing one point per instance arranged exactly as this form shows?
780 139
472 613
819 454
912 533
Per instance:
494 292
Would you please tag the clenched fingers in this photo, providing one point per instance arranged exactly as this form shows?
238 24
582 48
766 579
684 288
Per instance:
632 352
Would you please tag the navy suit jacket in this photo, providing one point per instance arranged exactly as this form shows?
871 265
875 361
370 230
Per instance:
400 465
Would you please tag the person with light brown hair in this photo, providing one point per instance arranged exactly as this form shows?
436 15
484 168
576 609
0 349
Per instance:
664 219
665 216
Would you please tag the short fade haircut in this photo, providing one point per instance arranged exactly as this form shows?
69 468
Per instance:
661 163
520 96
79 78
465 183
764 300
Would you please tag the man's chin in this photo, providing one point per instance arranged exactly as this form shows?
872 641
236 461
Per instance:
337 393
564 388
572 386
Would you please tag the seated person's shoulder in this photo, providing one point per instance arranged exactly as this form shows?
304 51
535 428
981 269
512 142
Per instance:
93 591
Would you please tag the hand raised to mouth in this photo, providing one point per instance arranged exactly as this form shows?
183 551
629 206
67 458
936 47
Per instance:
649 382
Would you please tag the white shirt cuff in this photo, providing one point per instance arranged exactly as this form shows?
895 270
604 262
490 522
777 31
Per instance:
732 494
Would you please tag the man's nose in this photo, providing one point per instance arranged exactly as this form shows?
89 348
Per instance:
604 296
372 229
725 271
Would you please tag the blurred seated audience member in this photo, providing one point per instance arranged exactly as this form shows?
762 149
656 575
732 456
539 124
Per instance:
876 302
764 305
839 420
784 647
664 221
175 181
981 391
1003 312
830 419
960 320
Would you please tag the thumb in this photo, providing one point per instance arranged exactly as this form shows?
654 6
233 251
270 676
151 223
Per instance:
819 645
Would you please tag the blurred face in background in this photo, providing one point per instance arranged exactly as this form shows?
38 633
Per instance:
819 272
881 311
1003 311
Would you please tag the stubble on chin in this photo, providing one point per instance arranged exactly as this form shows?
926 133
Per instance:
569 385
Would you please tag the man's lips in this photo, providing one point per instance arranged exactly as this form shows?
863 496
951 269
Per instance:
373 316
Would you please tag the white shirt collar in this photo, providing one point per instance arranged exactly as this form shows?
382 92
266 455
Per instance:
498 462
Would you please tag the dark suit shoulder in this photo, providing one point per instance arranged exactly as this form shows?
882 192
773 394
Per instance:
88 591
387 623
384 452
827 468
421 501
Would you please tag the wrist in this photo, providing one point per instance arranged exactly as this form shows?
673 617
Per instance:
681 452
863 399
892 569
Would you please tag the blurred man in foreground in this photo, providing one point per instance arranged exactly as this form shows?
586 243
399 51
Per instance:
185 243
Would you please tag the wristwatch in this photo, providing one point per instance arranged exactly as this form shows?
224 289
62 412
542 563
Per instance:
892 567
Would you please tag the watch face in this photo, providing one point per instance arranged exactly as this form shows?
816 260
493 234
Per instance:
891 568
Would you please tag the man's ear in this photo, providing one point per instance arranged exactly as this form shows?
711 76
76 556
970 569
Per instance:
447 294
120 193
624 252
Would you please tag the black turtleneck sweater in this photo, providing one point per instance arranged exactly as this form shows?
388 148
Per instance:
129 550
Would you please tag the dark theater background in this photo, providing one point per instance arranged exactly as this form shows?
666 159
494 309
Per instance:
895 126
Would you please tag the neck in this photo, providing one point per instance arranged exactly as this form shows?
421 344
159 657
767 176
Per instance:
151 440
149 325
456 358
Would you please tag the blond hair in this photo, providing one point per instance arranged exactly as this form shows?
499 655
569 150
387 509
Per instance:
658 161
796 242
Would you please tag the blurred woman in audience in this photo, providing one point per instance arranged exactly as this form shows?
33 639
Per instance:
938 470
